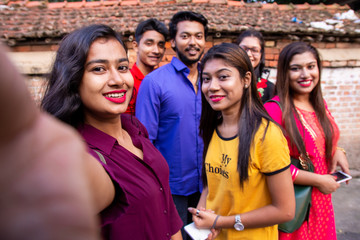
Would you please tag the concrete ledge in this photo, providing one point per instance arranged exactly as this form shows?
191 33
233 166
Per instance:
343 54
33 62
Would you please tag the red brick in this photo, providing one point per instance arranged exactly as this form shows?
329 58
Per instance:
233 3
344 45
329 87
109 3
200 1
92 4
304 6
284 7
332 99
56 5
320 6
271 51
54 47
168 44
269 6
22 49
128 2
281 44
160 2
208 44
272 63
329 45
346 87
170 51
75 4
41 48
269 56
315 44
320 45
34 4
326 63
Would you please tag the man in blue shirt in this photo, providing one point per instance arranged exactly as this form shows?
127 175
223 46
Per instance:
169 105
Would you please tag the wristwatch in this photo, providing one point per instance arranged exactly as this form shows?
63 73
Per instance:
238 224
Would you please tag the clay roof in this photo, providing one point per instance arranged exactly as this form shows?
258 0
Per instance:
39 20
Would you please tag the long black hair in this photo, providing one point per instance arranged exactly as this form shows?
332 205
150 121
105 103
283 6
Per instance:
283 90
62 98
251 109
253 33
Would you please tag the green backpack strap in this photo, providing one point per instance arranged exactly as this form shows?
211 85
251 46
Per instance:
275 101
100 156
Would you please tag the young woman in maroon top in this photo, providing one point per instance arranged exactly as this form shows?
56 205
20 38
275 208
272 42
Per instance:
90 86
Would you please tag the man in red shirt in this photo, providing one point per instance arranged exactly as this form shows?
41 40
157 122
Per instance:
149 44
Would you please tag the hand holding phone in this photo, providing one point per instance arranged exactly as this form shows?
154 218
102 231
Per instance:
341 176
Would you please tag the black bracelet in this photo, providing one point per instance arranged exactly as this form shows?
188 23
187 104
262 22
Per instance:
214 224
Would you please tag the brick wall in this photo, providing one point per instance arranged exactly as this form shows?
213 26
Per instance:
340 80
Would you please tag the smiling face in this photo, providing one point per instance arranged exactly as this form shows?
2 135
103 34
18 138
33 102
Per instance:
150 49
189 41
223 86
252 47
303 73
106 87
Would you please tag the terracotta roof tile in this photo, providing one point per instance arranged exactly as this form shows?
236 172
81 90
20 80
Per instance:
31 20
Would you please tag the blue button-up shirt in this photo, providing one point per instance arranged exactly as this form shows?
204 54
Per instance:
170 110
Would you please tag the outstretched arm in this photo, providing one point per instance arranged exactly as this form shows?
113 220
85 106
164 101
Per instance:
44 189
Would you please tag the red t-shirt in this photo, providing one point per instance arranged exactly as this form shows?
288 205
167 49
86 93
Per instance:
138 77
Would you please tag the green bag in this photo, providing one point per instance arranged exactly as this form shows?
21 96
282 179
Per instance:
302 194
302 198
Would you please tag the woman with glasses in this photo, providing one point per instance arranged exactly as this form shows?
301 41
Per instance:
253 43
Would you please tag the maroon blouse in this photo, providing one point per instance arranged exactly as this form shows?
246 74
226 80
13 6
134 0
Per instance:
143 207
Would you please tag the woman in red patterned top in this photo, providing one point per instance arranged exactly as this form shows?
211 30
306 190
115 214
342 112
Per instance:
253 43
311 132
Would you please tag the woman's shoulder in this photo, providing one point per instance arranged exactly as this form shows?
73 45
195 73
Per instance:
273 100
270 128
273 108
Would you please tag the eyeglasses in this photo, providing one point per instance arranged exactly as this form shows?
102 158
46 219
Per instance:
254 51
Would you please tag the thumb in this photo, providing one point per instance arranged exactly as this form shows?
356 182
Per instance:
333 166
192 210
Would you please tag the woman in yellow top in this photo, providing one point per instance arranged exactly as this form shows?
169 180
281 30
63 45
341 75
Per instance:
248 188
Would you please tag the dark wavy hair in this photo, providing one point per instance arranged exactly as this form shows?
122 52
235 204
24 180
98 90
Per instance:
251 109
62 98
148 25
253 33
283 90
186 16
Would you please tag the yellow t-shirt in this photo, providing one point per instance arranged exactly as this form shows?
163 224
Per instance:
225 197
